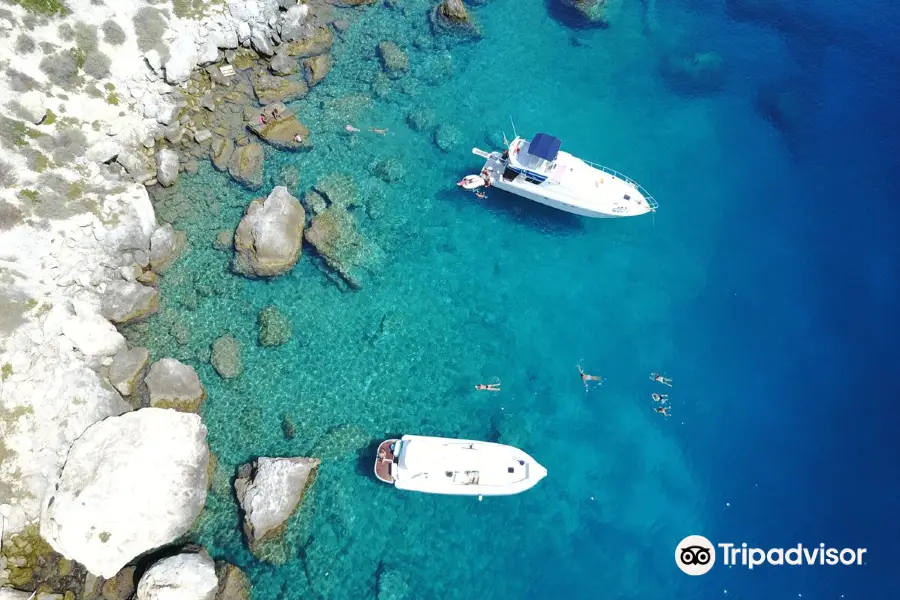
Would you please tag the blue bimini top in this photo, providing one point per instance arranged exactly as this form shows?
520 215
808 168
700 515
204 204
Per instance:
544 146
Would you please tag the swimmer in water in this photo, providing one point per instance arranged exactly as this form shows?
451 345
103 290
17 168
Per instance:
351 128
659 378
488 387
378 131
480 195
663 410
585 378
661 398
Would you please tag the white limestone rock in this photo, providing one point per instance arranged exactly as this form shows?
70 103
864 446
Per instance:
269 491
128 301
292 23
167 167
127 368
182 60
130 484
92 334
167 112
269 238
173 384
104 151
165 246
33 104
180 577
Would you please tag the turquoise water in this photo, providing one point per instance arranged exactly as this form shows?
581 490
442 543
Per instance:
717 289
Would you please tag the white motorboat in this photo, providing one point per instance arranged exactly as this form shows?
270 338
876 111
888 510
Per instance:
539 171
437 465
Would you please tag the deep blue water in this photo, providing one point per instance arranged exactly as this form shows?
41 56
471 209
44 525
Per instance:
765 285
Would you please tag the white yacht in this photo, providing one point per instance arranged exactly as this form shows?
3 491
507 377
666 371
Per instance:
539 171
437 465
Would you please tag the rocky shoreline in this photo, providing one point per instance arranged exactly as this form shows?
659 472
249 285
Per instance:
112 103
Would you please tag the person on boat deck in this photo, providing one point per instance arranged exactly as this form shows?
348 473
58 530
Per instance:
585 378
659 378
661 398
488 387
663 410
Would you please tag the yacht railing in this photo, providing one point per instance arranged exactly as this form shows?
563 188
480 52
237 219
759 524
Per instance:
650 199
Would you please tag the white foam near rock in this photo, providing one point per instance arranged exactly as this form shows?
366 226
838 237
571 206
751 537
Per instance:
180 577
130 484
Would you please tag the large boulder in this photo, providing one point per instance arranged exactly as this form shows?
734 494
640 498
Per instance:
270 88
130 484
225 357
394 61
274 327
180 577
173 384
127 368
269 490
246 165
334 235
233 582
293 23
316 68
318 42
279 127
167 167
451 16
584 13
283 64
93 335
165 246
269 238
128 301
220 152
182 60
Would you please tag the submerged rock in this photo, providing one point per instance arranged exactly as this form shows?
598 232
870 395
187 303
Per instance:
165 246
278 127
224 240
341 442
226 357
274 327
180 577
269 490
334 235
316 68
173 384
451 16
269 88
700 73
338 189
584 13
246 165
394 61
130 484
128 301
268 240
420 120
127 368
446 137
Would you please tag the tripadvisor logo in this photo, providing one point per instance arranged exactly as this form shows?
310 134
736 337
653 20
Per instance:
696 555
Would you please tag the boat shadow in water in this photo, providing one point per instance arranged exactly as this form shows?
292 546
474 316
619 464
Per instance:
520 210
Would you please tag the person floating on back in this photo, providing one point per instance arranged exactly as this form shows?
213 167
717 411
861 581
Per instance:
488 387
663 410
585 378
378 131
661 398
659 378
351 128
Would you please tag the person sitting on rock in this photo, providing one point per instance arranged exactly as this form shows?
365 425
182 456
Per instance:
262 119
298 138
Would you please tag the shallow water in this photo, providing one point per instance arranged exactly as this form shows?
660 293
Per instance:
751 276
